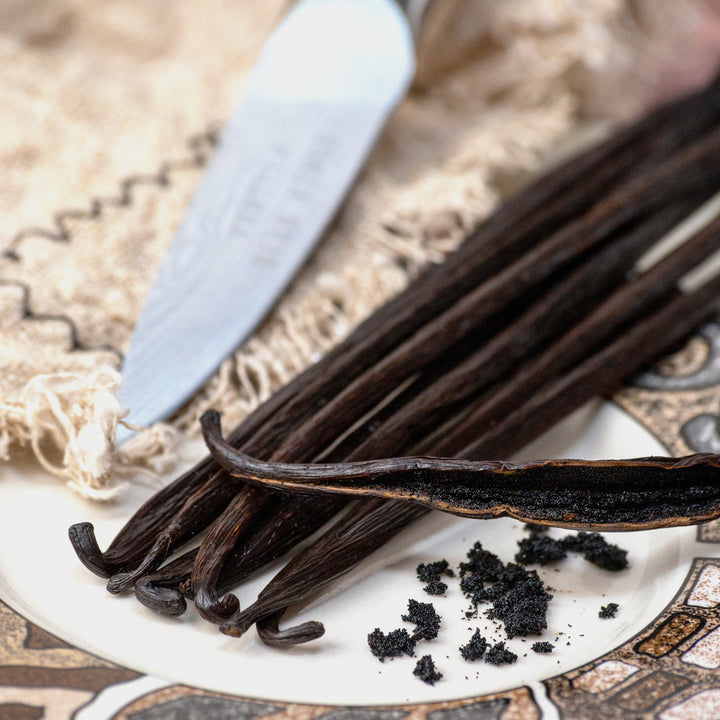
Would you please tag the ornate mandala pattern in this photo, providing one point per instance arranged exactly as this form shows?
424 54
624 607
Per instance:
667 672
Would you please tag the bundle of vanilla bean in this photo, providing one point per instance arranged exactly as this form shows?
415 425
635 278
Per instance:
543 307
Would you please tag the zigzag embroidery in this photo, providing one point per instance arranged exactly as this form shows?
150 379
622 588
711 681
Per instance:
27 313
200 146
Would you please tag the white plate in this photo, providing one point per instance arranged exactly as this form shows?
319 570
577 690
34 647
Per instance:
43 581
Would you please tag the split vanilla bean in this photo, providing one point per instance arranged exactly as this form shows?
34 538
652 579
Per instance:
635 494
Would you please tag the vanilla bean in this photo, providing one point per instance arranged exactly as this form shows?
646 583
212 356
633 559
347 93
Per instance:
579 494
627 304
350 540
213 551
192 518
684 176
552 314
161 590
270 633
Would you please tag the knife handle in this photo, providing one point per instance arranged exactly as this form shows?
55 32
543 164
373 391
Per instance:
415 11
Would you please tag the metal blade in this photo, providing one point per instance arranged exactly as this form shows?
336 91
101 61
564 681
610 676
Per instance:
314 104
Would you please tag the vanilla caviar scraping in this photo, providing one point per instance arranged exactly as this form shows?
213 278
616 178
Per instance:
543 647
430 574
540 550
425 619
393 644
475 648
498 654
608 611
595 549
425 669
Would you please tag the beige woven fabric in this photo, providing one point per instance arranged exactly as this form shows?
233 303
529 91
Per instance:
108 116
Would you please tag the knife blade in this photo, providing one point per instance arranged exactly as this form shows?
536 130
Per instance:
314 103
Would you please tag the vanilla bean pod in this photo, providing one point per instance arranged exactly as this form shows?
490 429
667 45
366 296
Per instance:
579 494
683 176
516 227
645 292
184 525
566 302
541 208
163 590
325 559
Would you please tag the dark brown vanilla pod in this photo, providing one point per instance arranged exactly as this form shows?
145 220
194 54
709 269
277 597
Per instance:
519 224
626 305
231 527
683 177
578 494
601 374
161 592
353 537
552 314
270 633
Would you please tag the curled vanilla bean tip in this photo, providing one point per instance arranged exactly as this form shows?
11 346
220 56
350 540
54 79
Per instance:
119 582
240 623
82 538
214 609
162 600
125 580
269 632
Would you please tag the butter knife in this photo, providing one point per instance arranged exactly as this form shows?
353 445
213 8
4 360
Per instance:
316 100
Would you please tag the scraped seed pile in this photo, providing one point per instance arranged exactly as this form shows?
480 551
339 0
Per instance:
498 654
430 574
516 595
608 611
539 549
425 619
426 671
476 648
543 647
